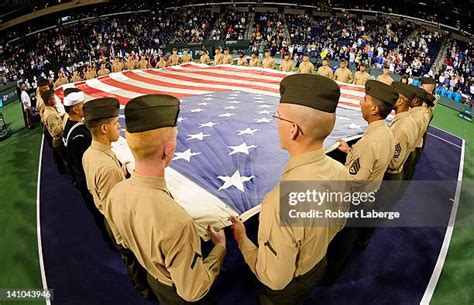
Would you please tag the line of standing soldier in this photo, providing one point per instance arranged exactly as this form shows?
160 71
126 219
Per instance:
156 237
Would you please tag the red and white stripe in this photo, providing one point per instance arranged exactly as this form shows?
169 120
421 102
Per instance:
195 79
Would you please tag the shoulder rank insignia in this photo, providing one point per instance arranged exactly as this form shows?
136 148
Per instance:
398 150
354 169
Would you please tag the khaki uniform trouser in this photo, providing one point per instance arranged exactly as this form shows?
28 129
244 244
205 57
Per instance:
297 290
167 295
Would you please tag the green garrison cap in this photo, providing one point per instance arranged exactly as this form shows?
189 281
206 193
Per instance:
420 93
42 82
381 91
428 81
404 89
70 90
47 94
101 108
430 98
309 90
153 111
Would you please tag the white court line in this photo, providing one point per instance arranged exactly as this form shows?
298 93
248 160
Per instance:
38 222
449 142
452 134
447 237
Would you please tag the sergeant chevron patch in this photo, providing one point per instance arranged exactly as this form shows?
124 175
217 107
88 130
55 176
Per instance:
354 169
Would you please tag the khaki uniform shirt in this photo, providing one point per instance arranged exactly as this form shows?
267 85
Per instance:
360 78
218 59
343 75
90 74
186 58
242 61
173 60
118 66
143 64
76 78
422 121
285 252
161 64
268 63
54 123
369 158
405 133
286 66
104 72
130 64
162 235
60 81
103 172
40 104
204 59
254 62
429 112
385 79
306 67
115 66
325 71
227 59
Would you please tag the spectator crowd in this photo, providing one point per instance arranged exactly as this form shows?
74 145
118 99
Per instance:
379 42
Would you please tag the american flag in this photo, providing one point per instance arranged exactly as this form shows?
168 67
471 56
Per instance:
228 155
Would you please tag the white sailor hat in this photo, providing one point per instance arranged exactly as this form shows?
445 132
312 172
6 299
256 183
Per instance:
74 98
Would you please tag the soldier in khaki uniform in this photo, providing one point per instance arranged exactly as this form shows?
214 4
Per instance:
87 73
161 63
43 85
286 64
90 73
186 57
325 70
306 66
343 74
254 60
290 260
118 65
76 77
204 59
421 118
367 162
369 158
62 80
227 58
429 84
53 123
173 60
404 129
113 65
101 167
102 172
361 76
268 62
103 70
430 105
51 118
130 64
242 61
385 76
218 58
150 222
143 63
